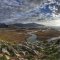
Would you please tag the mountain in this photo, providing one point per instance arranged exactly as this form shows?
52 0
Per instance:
28 25
3 25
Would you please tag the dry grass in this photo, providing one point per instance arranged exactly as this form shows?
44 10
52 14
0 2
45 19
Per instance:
43 35
12 35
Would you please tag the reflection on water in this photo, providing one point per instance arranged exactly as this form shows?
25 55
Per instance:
32 38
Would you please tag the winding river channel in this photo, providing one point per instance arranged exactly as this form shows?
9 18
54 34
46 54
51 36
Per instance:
32 37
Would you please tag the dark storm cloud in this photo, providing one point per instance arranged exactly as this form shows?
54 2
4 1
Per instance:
58 11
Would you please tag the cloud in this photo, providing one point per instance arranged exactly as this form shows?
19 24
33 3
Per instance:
22 11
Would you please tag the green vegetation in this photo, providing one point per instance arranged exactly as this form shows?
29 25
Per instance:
50 50
3 58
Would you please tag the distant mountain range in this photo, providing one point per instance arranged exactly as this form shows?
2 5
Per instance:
3 25
28 25
20 25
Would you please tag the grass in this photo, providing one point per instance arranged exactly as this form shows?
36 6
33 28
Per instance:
46 50
12 35
43 35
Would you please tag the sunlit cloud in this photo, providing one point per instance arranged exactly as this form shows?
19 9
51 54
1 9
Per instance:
46 12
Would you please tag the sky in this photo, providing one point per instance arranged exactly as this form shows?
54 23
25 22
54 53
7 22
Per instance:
46 12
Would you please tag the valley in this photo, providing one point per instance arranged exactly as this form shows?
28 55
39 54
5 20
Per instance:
29 44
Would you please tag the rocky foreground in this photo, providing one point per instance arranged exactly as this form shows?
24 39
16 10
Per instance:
45 46
40 50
